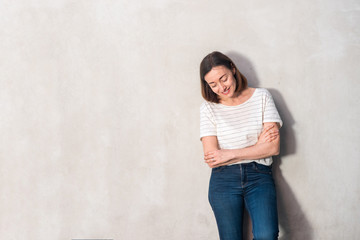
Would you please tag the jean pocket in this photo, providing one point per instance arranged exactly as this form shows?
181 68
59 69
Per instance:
260 168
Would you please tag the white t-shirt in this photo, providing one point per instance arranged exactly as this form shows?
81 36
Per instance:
239 126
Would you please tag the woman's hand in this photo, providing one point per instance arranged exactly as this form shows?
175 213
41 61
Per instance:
268 134
218 157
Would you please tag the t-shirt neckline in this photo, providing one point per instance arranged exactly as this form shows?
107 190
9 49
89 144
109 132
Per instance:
241 104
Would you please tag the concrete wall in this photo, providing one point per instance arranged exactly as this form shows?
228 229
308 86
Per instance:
99 112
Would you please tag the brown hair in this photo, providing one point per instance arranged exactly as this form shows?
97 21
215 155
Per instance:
215 59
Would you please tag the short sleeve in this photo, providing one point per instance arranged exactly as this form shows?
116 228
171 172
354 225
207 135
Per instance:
207 123
270 112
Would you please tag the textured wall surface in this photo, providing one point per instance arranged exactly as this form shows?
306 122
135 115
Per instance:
99 114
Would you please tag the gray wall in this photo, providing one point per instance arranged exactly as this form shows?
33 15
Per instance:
99 112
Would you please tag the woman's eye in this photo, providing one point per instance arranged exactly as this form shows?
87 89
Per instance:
225 80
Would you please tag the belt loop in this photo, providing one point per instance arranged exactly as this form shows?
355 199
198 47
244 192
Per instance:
254 165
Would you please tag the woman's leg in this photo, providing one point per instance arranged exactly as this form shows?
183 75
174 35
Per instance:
260 200
226 200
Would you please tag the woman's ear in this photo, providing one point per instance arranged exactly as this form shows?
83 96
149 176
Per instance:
233 70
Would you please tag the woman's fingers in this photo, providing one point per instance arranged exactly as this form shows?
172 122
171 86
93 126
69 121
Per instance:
268 128
271 136
210 160
273 132
209 157
209 153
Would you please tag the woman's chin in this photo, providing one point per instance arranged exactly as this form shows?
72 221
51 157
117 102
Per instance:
227 96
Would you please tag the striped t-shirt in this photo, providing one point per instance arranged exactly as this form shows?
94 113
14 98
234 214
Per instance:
239 126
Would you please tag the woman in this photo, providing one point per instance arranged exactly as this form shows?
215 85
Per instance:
239 132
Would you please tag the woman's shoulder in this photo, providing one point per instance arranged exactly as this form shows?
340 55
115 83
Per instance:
262 90
207 106
204 104
207 103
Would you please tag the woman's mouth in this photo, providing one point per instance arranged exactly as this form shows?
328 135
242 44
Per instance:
226 92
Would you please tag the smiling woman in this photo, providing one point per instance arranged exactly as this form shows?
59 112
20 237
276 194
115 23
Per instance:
239 131
222 81
219 68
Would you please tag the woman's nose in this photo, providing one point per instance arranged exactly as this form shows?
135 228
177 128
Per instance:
222 87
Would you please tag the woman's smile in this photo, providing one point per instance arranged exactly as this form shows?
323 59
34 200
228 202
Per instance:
226 92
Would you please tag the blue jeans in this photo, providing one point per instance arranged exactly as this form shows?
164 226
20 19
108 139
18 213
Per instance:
247 185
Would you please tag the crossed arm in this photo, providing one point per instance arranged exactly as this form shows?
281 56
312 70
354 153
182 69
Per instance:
268 145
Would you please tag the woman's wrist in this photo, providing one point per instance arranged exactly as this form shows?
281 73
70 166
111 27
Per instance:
236 154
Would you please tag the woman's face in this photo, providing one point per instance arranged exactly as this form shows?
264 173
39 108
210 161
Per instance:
222 81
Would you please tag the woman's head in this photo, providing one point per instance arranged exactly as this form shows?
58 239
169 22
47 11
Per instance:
220 78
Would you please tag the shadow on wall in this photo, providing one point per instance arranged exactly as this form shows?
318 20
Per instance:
293 222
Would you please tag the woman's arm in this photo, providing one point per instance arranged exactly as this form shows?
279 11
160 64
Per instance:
210 144
268 145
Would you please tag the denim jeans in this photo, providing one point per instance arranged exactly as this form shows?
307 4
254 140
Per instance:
249 185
